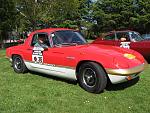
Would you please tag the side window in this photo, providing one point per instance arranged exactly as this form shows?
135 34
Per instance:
34 39
110 37
40 36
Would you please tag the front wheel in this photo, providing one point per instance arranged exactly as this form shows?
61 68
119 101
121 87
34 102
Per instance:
92 77
18 65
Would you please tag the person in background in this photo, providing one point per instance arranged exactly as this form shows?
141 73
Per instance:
124 37
41 42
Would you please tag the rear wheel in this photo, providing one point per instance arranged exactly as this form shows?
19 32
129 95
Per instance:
18 65
92 77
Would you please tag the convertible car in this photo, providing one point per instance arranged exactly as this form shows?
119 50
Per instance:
66 54
126 39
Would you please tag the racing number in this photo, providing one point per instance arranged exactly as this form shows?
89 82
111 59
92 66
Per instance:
37 55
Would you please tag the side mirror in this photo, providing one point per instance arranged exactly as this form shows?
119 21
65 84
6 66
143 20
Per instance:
45 48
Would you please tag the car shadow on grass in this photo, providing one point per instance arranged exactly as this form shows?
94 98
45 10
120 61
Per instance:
109 87
121 86
55 78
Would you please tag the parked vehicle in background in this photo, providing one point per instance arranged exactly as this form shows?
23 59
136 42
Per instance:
126 39
146 36
13 39
65 53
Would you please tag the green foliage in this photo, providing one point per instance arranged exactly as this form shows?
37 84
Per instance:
7 12
46 13
122 14
7 17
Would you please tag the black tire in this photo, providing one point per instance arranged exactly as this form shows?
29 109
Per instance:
18 65
92 77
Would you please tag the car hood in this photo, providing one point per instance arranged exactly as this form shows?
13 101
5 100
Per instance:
111 56
104 49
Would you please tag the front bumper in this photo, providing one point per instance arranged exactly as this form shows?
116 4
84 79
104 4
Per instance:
122 75
129 71
119 79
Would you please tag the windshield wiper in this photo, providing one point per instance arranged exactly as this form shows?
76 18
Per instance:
66 44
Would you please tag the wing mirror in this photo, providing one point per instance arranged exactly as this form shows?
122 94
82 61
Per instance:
45 48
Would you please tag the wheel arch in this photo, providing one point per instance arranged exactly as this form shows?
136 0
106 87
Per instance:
84 61
23 68
13 55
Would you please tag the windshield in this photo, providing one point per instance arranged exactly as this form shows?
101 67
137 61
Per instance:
135 36
67 37
146 36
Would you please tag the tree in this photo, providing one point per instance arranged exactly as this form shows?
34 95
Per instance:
7 18
46 13
122 14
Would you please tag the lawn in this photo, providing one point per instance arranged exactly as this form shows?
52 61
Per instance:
36 93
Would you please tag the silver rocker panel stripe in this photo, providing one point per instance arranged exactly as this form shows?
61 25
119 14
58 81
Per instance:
54 70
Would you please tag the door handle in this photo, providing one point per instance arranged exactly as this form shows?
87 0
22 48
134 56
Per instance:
58 52
70 57
29 49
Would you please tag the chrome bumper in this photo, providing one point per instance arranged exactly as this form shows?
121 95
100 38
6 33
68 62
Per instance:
130 71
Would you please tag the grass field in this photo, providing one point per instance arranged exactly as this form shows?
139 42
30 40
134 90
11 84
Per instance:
36 93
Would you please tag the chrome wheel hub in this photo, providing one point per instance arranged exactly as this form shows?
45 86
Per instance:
89 77
17 63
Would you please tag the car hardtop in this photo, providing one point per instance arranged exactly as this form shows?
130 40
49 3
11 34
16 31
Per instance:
116 32
120 31
48 30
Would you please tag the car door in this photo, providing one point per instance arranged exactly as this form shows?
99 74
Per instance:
140 45
106 40
58 57
58 60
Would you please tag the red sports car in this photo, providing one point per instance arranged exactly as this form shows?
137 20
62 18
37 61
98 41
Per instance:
126 39
65 53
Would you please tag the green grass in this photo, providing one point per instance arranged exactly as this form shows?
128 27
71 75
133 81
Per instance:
33 93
